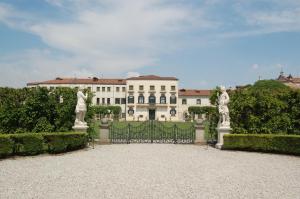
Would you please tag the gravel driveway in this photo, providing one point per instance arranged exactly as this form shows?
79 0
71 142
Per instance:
151 171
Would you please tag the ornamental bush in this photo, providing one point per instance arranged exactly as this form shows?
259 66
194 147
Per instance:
287 144
6 145
62 142
28 143
37 143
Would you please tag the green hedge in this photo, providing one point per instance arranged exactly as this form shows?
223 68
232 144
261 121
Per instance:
62 142
6 145
286 144
28 143
37 143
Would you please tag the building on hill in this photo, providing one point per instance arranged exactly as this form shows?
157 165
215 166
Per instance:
148 97
291 81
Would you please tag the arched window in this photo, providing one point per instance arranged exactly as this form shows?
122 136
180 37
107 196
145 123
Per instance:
163 99
152 99
198 101
173 99
173 112
184 101
130 111
130 99
141 99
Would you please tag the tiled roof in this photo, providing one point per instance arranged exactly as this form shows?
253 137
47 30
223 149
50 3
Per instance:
190 92
152 77
296 80
81 81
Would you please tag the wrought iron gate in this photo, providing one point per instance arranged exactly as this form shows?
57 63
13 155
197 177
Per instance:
151 132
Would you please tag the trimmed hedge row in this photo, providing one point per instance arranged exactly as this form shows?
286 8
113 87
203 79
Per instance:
286 144
37 143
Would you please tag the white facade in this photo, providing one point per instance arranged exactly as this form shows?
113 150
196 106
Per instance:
192 100
141 98
161 91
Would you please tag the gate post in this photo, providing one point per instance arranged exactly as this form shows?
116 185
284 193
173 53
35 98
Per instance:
200 138
104 133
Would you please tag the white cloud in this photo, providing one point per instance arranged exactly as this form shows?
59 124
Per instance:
132 74
272 17
255 66
112 36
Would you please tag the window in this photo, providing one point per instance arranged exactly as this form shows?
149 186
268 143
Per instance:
123 89
118 89
103 89
141 99
103 100
89 88
51 88
108 100
123 115
183 101
163 88
163 99
98 101
173 112
130 99
152 88
123 100
152 99
130 111
131 87
173 88
76 87
117 101
108 89
98 89
198 101
173 99
141 88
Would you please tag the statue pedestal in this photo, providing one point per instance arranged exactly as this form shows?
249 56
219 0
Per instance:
221 132
82 129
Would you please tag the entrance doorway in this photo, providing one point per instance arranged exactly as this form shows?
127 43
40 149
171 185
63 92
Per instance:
151 114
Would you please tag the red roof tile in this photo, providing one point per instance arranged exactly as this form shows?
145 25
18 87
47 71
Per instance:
81 81
190 92
152 77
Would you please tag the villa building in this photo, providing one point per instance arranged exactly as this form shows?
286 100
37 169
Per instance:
141 98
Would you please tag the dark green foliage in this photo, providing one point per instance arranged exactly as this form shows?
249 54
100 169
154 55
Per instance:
38 109
28 143
62 142
6 145
36 143
43 125
287 144
212 118
267 107
104 110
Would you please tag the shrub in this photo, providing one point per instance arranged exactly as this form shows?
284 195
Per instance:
36 143
43 125
28 143
287 144
62 142
6 146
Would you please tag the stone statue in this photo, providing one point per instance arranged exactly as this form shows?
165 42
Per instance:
223 108
80 108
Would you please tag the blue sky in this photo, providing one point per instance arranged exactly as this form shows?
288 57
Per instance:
204 43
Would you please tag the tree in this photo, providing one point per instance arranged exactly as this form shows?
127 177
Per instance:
261 108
